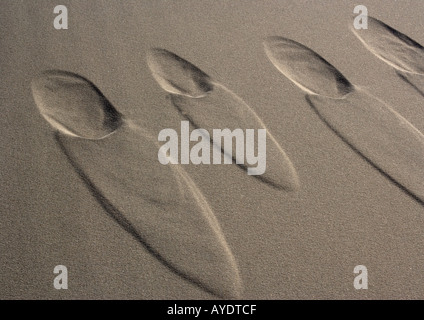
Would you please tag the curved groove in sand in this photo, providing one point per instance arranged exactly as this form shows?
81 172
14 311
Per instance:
306 68
160 206
369 126
176 75
220 108
396 49
74 105
392 46
224 109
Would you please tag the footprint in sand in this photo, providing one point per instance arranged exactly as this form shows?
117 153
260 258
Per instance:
369 126
209 105
160 206
396 49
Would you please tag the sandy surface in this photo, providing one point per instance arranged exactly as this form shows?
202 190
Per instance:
288 245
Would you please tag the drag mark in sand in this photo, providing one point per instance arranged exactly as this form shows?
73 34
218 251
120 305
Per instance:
392 46
160 206
369 126
178 76
209 105
396 49
308 70
74 105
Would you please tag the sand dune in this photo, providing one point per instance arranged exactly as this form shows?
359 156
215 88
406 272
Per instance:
393 47
379 134
74 105
307 69
159 205
216 107
396 49
369 126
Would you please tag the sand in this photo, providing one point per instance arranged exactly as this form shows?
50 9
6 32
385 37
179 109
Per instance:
370 127
263 242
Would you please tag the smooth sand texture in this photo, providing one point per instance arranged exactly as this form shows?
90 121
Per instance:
288 245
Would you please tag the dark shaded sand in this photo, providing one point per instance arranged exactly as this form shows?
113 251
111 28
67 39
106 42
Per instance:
369 126
209 105
159 205
416 81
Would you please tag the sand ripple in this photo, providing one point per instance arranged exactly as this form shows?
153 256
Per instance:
220 108
160 206
307 69
74 105
369 126
392 46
